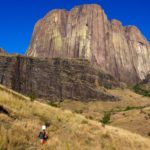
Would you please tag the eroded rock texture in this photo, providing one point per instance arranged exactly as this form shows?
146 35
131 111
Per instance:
56 79
85 32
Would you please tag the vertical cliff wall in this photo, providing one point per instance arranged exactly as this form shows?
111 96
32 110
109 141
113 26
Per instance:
56 79
85 32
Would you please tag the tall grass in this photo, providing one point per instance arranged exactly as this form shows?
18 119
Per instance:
66 130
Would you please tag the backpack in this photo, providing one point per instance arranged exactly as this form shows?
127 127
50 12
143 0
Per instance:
41 135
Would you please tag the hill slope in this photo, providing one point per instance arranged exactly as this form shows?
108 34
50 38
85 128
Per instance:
22 119
131 112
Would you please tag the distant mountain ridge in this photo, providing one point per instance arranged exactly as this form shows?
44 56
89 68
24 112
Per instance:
85 32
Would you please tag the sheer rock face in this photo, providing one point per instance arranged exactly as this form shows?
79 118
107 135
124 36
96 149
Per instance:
56 79
85 32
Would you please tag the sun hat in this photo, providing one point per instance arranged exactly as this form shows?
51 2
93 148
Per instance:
43 127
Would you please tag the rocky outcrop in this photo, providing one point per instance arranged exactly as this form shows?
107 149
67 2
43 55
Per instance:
85 32
56 79
2 52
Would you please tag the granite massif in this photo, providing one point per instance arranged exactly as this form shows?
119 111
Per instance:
85 32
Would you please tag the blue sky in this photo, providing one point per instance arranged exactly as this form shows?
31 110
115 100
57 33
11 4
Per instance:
18 17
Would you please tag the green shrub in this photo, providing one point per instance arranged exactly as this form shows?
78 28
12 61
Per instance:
137 89
133 107
106 118
129 108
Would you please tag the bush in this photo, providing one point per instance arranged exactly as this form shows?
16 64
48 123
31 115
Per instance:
133 107
137 89
106 118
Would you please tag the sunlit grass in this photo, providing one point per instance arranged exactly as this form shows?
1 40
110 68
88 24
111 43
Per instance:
66 130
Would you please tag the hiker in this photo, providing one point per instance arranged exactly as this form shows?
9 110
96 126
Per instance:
42 135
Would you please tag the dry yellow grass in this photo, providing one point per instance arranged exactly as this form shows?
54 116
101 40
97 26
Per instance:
67 130
132 120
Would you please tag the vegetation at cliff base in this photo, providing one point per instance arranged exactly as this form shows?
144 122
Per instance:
139 90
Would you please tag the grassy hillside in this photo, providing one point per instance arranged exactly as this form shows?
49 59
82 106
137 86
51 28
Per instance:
131 112
19 128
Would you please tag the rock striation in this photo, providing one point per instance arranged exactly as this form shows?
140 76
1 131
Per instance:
56 79
85 32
